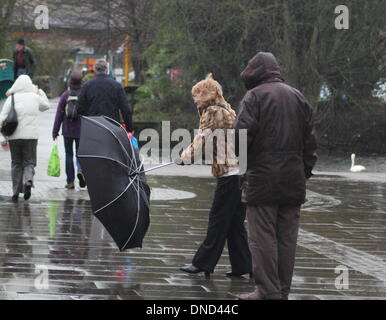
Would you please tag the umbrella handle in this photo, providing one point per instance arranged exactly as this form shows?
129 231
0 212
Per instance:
158 167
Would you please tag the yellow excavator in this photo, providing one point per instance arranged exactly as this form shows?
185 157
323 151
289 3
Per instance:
127 59
130 88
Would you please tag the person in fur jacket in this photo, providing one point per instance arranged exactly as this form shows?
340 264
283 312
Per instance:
29 100
227 215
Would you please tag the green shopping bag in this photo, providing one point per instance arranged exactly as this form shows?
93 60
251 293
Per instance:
54 163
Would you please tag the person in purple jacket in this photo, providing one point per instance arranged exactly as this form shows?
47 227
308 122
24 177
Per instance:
70 131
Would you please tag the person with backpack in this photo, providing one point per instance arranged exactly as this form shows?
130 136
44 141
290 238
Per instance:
68 118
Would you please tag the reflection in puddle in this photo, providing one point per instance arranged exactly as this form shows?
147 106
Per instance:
170 194
52 213
317 202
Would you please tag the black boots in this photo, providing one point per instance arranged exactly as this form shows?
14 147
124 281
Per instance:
82 180
231 274
27 190
193 270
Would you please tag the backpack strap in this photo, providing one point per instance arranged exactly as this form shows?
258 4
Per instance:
72 95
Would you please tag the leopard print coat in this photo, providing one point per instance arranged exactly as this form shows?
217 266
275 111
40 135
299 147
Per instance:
214 141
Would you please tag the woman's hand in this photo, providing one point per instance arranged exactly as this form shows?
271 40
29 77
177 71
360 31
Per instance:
5 145
179 162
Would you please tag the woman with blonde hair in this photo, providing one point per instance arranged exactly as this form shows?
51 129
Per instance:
227 215
28 100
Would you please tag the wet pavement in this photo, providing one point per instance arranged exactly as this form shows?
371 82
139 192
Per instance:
56 249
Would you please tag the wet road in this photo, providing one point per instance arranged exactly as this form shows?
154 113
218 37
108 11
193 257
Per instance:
344 223
55 249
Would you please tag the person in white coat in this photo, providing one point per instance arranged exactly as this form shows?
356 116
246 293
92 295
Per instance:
29 100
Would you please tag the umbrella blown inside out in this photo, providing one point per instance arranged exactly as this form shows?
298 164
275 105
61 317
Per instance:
116 181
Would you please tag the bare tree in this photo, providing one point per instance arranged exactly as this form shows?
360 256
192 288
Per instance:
6 11
120 20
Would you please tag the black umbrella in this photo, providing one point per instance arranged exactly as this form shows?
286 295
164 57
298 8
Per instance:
116 181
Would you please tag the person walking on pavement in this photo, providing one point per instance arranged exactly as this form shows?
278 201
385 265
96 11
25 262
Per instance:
281 155
28 101
69 120
103 96
227 215
24 61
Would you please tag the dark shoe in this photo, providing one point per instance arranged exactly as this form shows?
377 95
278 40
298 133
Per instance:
231 274
192 269
15 198
27 190
70 186
250 296
256 295
82 180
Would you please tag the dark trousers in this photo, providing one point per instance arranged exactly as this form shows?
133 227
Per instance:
273 233
69 149
23 157
20 71
226 223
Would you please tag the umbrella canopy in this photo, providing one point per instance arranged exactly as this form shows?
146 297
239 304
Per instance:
116 181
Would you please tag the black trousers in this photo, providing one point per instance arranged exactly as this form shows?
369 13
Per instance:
226 223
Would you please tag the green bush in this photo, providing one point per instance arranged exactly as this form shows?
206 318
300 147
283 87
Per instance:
161 99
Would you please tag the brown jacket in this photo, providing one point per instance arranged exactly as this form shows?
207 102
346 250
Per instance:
214 118
281 136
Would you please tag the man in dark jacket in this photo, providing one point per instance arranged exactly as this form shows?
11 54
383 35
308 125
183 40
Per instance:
24 61
281 155
103 96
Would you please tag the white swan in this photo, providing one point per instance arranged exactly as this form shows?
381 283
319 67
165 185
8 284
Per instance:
355 168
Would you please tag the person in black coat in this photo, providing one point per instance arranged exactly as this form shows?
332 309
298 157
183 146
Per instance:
281 154
103 96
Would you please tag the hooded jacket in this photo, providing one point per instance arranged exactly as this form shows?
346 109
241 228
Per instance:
28 102
281 136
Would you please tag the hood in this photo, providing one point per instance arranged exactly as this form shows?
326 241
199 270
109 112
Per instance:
75 81
261 68
208 92
22 84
